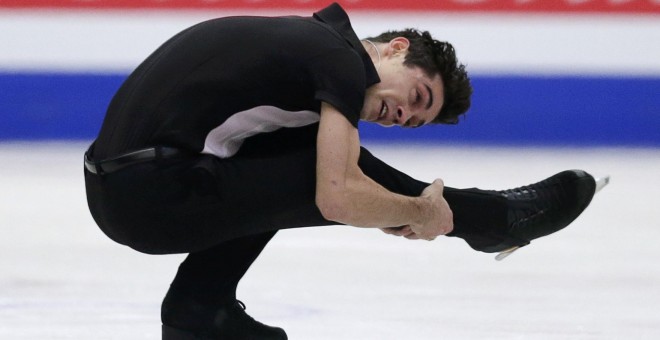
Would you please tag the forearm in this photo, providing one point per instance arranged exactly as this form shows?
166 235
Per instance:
346 195
366 203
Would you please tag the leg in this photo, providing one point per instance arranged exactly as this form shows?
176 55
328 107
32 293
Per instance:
187 205
495 221
202 297
212 275
207 280
478 229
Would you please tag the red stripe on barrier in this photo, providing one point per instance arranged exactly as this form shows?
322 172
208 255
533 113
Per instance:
553 6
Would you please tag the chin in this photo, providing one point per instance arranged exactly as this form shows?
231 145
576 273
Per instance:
365 116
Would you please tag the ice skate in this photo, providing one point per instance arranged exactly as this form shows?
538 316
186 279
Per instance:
535 211
229 322
531 225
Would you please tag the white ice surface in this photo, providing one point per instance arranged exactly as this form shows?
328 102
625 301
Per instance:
61 278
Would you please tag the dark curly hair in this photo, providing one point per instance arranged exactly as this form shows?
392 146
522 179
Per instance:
437 57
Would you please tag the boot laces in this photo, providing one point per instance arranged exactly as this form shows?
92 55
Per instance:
530 202
245 317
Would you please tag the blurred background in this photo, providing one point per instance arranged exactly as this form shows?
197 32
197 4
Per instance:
559 84
545 72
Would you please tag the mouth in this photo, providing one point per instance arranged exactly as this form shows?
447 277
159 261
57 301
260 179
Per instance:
383 111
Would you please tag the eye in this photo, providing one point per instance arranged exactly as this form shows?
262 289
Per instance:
418 97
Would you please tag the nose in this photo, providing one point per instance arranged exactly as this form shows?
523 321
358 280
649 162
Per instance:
402 116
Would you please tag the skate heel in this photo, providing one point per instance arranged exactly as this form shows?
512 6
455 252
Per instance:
171 333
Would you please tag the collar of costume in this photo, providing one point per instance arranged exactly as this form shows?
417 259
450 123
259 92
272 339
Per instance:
335 17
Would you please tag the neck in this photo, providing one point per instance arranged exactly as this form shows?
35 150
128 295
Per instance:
371 46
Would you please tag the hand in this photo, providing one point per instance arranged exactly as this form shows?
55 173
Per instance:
404 231
438 219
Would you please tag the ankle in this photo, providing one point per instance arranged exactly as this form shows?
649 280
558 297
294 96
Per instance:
191 311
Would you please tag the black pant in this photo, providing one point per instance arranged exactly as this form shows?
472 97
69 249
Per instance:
224 211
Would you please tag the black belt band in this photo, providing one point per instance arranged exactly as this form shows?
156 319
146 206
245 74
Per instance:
107 166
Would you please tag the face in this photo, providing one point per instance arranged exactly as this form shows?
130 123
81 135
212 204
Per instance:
406 96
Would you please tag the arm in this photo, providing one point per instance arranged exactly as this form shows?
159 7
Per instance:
344 194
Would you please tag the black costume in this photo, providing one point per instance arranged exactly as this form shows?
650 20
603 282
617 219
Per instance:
239 98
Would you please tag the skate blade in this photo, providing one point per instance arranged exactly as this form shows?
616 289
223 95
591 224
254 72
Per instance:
501 256
601 182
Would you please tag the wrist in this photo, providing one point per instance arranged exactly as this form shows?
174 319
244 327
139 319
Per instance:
423 207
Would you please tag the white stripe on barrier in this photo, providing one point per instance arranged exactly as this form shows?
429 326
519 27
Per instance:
112 41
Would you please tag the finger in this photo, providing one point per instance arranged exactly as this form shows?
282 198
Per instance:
403 231
426 237
439 182
399 231
449 227
410 232
390 230
413 236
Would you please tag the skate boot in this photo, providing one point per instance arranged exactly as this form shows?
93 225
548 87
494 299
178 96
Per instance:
546 207
537 210
230 322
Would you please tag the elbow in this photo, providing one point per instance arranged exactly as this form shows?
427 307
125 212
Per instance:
332 207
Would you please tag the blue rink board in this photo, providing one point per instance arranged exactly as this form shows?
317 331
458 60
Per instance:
510 110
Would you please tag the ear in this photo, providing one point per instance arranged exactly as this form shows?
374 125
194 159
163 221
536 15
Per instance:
399 45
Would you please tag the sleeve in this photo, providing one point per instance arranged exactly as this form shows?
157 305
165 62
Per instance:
339 79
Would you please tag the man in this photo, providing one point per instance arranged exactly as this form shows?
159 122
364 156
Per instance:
238 127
